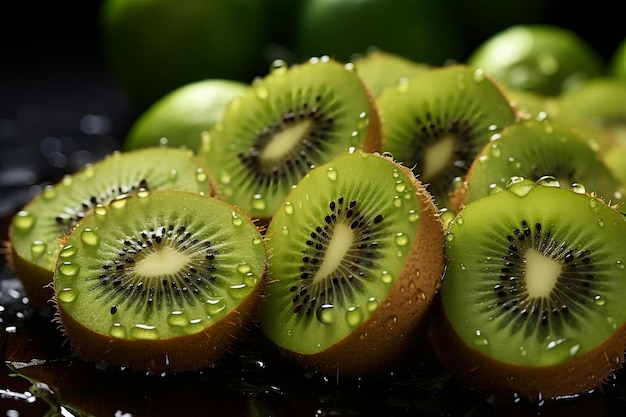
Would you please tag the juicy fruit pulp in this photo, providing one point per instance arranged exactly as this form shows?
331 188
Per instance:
153 283
534 275
356 259
36 229
294 119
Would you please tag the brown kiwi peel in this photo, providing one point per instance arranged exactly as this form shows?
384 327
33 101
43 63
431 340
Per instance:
573 377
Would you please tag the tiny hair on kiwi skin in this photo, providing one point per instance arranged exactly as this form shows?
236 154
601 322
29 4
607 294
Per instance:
436 122
357 257
531 302
154 284
36 229
294 118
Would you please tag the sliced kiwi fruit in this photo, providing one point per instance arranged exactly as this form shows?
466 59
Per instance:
436 122
531 105
532 300
534 150
162 281
380 69
289 121
35 230
357 256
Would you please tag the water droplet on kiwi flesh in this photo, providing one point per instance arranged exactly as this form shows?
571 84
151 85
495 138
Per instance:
346 278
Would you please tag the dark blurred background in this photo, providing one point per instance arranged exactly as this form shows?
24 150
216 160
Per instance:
61 107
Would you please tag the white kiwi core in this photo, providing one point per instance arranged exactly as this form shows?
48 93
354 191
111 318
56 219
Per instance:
283 142
337 248
164 261
437 156
542 273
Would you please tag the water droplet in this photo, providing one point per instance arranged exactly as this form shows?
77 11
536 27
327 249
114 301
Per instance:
67 295
599 300
397 201
400 186
258 203
238 291
67 252
386 277
494 189
119 202
285 230
163 141
262 92
23 221
396 174
48 193
69 269
201 175
100 210
256 240
173 174
479 75
278 67
479 339
458 220
244 268
600 222
519 186
619 265
513 163
67 180
391 321
143 193
446 216
214 307
413 216
372 304
401 239
331 173
90 238
237 221
250 279
325 314
578 188
38 248
177 318
118 331
494 150
288 207
194 326
144 332
363 121
88 170
548 181
354 316
449 237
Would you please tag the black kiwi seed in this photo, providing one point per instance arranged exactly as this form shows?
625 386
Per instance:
354 267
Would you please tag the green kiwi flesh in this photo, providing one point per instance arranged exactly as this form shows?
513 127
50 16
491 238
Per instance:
289 121
357 256
535 150
436 122
160 281
381 70
36 229
531 300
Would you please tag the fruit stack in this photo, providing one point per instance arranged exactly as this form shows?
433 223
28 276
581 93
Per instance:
353 207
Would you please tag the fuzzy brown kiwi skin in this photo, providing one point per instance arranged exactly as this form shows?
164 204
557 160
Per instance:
573 377
174 355
391 331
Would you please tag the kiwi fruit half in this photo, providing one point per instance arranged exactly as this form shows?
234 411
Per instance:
436 122
289 121
380 70
35 230
534 150
357 256
532 300
162 281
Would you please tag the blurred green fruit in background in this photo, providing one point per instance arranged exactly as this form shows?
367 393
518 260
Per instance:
421 30
546 59
617 65
179 118
154 46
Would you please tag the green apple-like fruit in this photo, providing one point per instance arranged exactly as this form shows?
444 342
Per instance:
154 46
546 59
424 31
179 117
